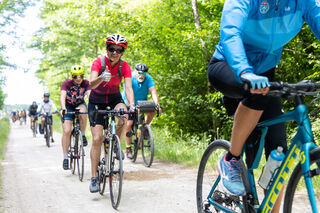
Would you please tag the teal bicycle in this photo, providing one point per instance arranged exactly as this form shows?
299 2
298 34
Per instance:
302 191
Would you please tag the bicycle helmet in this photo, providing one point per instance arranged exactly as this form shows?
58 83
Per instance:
141 67
77 70
46 94
34 103
117 39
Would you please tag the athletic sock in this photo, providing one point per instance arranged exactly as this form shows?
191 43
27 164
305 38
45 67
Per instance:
230 156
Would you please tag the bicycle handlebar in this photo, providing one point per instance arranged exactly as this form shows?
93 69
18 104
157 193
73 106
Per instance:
108 112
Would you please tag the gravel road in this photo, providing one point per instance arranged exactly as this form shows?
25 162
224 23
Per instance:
33 181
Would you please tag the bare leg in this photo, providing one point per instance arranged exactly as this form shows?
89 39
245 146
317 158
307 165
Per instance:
95 148
245 120
121 121
65 140
83 118
149 117
128 129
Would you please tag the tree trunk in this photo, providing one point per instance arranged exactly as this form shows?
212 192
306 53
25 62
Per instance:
198 25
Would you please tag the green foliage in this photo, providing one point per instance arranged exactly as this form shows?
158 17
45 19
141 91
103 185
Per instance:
4 133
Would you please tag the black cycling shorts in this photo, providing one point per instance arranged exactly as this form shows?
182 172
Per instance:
91 107
222 78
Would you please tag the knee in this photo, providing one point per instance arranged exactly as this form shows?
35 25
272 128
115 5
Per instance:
96 140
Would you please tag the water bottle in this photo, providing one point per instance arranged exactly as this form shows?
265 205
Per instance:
273 163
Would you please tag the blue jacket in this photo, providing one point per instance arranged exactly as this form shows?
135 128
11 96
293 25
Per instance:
253 32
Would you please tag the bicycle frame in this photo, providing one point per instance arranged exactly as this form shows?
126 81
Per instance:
301 144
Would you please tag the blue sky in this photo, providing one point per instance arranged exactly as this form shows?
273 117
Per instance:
22 87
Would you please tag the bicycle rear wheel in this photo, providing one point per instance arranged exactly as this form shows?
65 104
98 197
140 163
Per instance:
116 172
208 178
136 144
296 197
147 145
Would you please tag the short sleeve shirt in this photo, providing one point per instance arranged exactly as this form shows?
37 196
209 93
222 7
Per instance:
100 94
75 93
140 89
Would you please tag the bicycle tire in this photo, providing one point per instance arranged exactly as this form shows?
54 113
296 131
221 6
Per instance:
80 158
47 135
72 153
294 194
116 172
207 175
102 176
34 130
135 145
147 145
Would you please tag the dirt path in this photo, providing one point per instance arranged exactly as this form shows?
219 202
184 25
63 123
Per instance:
33 181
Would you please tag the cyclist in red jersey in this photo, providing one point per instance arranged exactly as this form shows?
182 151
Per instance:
105 92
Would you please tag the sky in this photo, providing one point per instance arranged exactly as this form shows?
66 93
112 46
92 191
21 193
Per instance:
22 87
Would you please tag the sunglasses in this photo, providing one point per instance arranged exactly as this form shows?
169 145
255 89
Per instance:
112 49
141 73
76 76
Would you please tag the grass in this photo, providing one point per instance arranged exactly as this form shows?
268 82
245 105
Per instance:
4 133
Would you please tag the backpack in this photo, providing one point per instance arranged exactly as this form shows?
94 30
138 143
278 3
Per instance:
103 67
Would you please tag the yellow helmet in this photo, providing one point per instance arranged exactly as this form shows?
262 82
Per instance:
77 70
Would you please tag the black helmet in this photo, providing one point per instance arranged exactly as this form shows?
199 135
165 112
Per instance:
46 94
34 103
141 67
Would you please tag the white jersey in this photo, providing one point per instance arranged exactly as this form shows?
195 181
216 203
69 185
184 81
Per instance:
46 107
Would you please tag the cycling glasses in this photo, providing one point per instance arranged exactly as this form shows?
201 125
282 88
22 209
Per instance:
112 49
76 76
141 73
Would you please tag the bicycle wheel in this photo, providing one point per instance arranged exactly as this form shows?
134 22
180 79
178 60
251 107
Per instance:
34 130
147 145
116 171
72 153
208 177
80 158
102 175
47 135
135 144
296 196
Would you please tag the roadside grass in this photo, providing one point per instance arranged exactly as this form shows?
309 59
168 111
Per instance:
4 133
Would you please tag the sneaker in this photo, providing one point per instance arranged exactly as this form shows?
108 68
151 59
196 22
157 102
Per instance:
231 178
65 164
52 141
94 185
84 139
129 153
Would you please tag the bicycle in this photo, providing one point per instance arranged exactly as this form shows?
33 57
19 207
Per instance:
143 134
34 125
111 164
47 128
76 151
211 199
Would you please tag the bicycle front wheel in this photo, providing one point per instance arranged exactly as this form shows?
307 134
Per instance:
296 197
136 144
147 145
80 158
73 152
116 171
47 135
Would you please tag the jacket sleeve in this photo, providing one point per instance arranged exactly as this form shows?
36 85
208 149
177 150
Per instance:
312 16
233 20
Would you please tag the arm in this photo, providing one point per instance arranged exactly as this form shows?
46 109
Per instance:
63 97
233 21
129 91
155 97
95 81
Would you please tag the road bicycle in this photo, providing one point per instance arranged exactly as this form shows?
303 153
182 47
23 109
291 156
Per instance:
34 125
111 164
304 180
76 152
143 136
47 128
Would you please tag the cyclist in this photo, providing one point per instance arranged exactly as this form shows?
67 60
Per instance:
105 92
72 97
32 112
46 106
248 51
142 83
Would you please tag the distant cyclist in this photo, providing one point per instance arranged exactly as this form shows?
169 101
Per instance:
46 106
32 112
72 96
105 85
142 84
